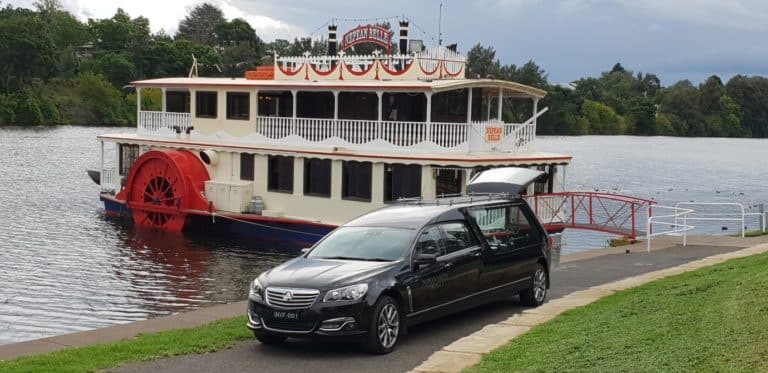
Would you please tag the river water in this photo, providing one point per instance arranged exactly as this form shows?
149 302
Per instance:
65 267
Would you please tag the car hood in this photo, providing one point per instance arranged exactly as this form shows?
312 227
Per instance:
323 274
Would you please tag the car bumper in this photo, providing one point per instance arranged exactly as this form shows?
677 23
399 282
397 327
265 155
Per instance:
320 320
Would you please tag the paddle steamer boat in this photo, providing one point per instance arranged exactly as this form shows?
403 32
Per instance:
306 143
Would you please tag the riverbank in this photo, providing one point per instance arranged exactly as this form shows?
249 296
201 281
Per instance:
673 324
573 275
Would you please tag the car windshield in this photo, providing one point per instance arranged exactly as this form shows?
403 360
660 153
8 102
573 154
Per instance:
364 243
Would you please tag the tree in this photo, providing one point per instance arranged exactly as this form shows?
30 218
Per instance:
602 119
641 114
563 117
120 33
116 67
236 32
482 62
199 26
751 94
26 50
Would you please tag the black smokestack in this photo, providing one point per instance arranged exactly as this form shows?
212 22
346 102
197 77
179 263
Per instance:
332 41
404 36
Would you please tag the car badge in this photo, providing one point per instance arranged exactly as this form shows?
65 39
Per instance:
288 296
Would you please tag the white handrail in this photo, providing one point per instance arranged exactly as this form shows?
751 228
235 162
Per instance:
718 216
676 227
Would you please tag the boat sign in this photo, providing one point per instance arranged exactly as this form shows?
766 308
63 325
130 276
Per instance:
494 134
367 34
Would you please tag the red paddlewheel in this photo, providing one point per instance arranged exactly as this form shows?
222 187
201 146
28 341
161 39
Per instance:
163 186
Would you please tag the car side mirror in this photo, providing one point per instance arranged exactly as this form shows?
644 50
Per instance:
305 250
425 260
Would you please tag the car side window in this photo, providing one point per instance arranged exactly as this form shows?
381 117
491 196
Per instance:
504 227
429 242
457 237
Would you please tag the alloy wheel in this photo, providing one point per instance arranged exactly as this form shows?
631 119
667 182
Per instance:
388 325
540 285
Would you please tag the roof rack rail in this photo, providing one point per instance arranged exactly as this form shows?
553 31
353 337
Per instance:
451 199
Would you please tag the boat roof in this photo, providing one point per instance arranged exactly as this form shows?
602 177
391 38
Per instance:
510 89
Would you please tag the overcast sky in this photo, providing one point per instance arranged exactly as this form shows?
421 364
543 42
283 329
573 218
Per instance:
675 39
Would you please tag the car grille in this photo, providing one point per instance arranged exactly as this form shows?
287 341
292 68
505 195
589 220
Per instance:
289 325
291 299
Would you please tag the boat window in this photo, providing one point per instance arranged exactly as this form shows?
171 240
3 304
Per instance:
246 166
238 105
280 174
448 181
205 103
450 107
128 156
505 228
275 104
314 105
404 107
401 181
358 106
317 177
177 101
356 181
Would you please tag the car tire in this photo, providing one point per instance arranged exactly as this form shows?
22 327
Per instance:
385 326
268 339
535 295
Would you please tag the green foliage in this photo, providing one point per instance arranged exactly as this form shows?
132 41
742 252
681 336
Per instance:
116 67
203 339
710 320
482 62
104 103
298 47
602 119
26 50
199 26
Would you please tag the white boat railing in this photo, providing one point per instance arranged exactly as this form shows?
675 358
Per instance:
372 134
159 122
109 180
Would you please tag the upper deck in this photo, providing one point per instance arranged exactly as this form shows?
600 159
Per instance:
420 103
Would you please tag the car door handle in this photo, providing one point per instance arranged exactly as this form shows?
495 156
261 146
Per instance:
448 265
476 252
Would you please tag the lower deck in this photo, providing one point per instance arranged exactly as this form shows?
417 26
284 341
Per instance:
328 187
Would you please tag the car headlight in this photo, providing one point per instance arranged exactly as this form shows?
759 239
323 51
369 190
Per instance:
348 293
256 290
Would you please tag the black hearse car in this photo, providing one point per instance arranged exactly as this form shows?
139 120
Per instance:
407 263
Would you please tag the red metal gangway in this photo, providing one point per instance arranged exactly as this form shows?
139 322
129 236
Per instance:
602 212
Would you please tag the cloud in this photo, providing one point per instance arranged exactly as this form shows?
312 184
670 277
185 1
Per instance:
166 14
266 27
507 5
736 14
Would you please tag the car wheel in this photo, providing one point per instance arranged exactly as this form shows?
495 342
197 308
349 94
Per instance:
385 326
537 293
268 339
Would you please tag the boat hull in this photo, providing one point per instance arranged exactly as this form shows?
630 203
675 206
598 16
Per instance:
274 233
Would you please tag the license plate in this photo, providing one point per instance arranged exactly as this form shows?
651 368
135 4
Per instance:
284 315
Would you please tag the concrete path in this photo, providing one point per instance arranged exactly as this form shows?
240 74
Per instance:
577 273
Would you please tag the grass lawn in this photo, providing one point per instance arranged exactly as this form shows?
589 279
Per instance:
208 338
713 319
